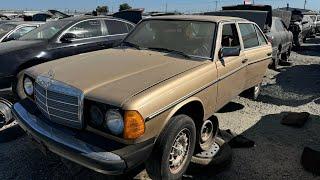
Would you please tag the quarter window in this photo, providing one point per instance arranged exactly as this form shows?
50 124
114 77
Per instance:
87 29
116 27
249 35
230 36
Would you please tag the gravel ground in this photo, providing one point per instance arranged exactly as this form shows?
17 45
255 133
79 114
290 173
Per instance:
278 148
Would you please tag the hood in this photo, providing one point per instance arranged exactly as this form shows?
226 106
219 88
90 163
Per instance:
14 46
114 75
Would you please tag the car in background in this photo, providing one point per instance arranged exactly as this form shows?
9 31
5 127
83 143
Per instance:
313 17
312 21
57 39
147 101
300 26
14 30
282 41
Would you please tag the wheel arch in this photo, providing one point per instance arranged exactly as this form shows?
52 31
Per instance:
192 107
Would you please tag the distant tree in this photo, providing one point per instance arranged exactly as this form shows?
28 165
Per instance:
102 10
124 6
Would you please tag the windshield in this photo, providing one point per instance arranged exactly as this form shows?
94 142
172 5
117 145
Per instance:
46 31
193 38
5 28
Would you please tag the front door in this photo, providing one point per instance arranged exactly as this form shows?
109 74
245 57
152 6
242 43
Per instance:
231 70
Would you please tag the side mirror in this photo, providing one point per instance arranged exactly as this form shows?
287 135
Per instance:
228 52
68 37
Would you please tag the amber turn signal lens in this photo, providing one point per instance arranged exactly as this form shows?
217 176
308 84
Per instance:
134 126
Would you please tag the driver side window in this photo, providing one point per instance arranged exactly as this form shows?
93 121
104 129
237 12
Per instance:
230 37
87 29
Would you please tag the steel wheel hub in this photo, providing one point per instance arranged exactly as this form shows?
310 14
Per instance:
179 151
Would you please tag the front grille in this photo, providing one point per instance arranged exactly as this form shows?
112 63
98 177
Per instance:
59 102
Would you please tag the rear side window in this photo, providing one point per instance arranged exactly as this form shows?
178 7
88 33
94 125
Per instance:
230 37
261 37
249 35
116 27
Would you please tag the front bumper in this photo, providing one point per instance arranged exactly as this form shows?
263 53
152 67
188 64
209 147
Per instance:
5 82
114 159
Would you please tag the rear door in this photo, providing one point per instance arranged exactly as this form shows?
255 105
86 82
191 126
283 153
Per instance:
89 36
231 70
257 51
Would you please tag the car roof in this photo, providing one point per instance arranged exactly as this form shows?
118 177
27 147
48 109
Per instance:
85 17
199 18
24 22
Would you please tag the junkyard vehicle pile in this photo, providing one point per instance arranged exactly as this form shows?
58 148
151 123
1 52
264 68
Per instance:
97 94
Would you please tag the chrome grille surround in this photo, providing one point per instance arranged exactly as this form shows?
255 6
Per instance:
59 102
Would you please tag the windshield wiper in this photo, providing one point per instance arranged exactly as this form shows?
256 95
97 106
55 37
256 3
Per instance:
170 51
126 43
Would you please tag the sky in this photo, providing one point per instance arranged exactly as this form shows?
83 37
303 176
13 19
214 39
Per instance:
149 5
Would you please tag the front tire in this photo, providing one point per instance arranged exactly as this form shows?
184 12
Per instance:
173 150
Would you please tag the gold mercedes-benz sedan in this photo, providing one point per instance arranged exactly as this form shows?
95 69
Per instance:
151 100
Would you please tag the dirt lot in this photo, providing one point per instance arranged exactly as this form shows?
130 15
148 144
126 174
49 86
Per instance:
278 148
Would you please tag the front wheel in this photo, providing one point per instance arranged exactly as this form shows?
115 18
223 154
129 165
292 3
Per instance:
173 150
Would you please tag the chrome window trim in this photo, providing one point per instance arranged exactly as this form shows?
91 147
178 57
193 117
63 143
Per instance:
99 19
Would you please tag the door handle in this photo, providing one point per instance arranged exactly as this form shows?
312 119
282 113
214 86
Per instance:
244 61
269 54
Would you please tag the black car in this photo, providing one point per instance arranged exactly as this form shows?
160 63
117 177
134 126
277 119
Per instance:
57 39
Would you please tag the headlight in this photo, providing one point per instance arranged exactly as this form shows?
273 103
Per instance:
114 122
28 86
96 116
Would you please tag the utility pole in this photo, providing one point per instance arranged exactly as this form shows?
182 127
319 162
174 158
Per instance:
216 5
166 7
305 3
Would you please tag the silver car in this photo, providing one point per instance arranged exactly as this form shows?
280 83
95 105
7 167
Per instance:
14 30
282 41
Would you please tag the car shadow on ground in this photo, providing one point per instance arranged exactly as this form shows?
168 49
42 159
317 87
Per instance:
11 133
295 86
275 145
231 107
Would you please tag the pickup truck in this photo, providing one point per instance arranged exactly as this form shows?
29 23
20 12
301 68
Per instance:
151 100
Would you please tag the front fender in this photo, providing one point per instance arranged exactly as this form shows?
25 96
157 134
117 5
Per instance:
177 107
